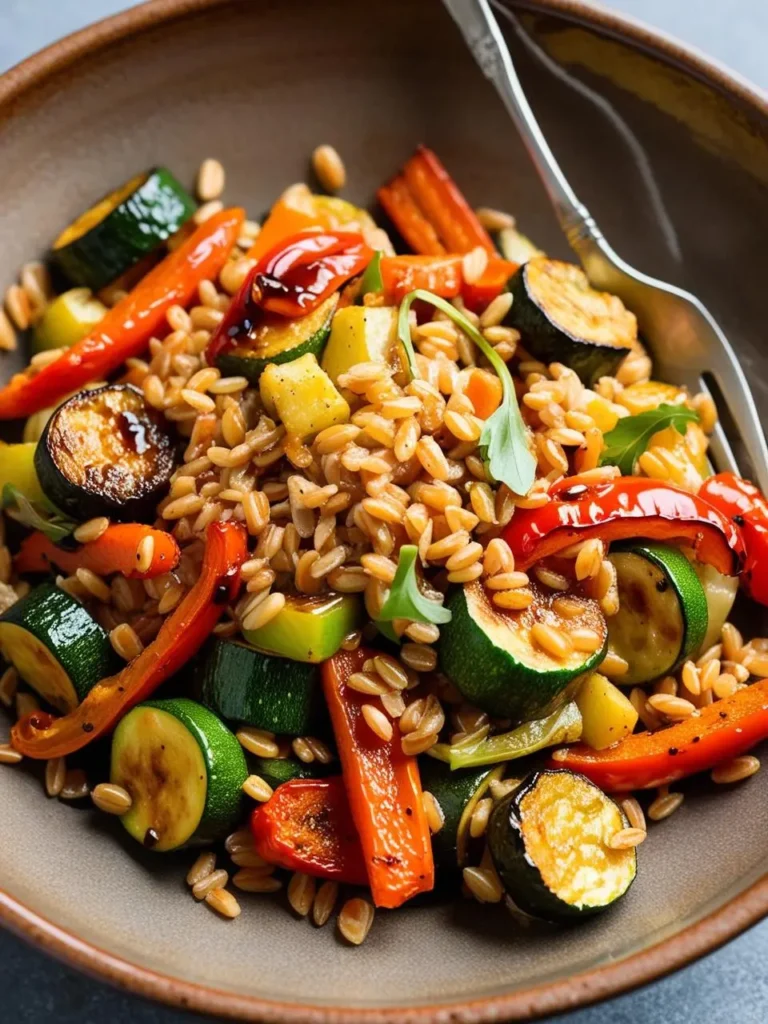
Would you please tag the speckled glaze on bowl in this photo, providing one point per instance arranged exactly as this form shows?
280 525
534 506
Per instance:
671 155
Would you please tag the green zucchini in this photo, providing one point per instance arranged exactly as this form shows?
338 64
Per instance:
720 592
67 319
457 794
277 770
275 339
662 616
122 228
56 646
242 684
516 247
561 319
184 770
490 656
105 452
308 628
549 844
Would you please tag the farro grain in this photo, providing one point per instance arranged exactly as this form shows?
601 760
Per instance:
75 785
228 385
733 642
585 639
355 920
329 168
301 893
324 902
551 579
145 552
735 770
224 903
675 708
472 572
91 530
217 879
125 642
255 880
7 333
393 703
627 838
664 805
551 640
432 458
257 788
498 557
55 775
302 750
432 811
8 755
320 750
484 885
258 741
203 866
478 823
567 607
494 220
239 840
94 584
377 722
481 499
419 657
513 600
248 858
496 310
334 559
725 686
589 560
18 306
423 632
111 798
379 566
207 210
447 546
633 812
613 665
694 682
210 179
474 263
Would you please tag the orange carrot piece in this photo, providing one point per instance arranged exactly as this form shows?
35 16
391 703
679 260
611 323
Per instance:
408 218
443 204
438 274
114 551
484 390
384 791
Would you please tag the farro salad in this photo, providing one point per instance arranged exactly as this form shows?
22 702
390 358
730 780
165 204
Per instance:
377 558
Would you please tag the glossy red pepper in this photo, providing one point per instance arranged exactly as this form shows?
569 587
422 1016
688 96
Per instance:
645 760
745 506
621 509
440 275
127 327
383 788
306 825
41 735
492 282
291 280
114 551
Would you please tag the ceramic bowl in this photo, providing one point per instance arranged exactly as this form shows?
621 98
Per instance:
671 155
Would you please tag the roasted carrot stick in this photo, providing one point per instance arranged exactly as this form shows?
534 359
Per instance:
401 208
484 390
116 550
384 791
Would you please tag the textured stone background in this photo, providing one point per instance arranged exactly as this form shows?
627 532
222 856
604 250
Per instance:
726 987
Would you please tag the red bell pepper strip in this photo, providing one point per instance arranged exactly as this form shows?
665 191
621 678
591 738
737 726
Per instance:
440 275
721 731
306 825
290 280
491 283
620 509
41 735
384 791
126 329
402 209
114 551
745 506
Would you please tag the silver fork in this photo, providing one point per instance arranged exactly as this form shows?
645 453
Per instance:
682 334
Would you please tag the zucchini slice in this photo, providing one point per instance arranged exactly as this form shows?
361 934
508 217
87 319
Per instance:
275 339
242 684
662 617
489 654
549 843
457 794
277 770
184 770
720 592
68 319
122 228
563 320
308 628
516 247
56 646
105 452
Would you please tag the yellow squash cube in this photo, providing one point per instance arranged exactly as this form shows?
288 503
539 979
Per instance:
360 334
302 396
607 716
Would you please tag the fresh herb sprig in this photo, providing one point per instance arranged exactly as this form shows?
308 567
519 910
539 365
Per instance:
54 525
503 443
630 437
371 281
405 599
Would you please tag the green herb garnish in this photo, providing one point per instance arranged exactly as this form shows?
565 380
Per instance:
54 525
405 599
503 443
371 281
629 438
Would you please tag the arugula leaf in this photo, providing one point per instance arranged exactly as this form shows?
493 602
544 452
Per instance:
629 438
54 525
405 599
503 443
371 281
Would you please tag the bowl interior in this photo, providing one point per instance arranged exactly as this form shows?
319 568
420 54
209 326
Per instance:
675 172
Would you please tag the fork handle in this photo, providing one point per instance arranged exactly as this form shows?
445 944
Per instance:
484 38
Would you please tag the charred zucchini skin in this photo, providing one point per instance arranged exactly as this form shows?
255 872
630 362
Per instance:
119 467
153 210
453 791
518 871
277 770
242 684
551 342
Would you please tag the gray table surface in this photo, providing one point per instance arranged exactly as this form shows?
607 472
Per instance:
726 987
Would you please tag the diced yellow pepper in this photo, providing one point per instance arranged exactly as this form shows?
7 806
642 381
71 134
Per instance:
601 412
302 396
607 716
690 448
360 334
650 394
68 319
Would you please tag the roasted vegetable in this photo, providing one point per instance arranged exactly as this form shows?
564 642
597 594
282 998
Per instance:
607 716
302 396
116 550
457 794
308 628
360 334
67 319
745 506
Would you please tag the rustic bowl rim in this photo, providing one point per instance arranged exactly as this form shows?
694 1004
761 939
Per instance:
611 979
